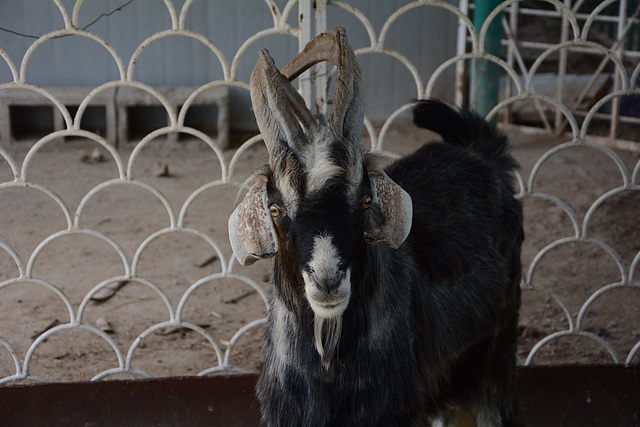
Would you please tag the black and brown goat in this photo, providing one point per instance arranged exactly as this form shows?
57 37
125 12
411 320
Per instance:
395 291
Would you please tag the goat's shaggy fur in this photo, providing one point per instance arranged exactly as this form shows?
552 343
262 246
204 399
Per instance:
431 326
395 291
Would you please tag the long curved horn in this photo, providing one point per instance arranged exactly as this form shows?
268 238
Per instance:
347 114
279 108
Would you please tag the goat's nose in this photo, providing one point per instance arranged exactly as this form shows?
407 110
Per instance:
328 283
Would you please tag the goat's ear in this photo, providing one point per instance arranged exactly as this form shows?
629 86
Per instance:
251 231
397 210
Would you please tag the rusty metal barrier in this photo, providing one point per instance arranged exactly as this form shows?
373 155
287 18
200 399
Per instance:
557 396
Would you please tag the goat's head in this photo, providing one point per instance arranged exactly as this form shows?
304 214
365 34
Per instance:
320 196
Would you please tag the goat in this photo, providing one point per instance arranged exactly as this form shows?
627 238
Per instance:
395 291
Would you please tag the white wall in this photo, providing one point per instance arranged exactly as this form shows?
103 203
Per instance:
425 35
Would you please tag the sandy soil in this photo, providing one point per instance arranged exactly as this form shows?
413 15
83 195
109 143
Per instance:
184 266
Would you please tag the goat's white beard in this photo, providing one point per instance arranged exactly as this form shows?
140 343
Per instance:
327 332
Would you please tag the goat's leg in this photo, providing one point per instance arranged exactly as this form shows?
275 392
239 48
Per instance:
498 404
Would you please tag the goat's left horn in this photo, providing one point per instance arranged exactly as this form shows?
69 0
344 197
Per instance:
348 107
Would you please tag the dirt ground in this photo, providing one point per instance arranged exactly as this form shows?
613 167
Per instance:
184 266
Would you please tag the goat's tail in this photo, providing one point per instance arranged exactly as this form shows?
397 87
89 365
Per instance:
463 128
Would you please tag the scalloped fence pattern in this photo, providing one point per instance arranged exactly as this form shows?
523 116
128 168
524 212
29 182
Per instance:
180 318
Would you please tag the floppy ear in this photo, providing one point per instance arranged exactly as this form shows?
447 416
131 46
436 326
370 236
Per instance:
251 231
397 210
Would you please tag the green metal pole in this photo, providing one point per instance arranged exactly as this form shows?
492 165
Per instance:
485 75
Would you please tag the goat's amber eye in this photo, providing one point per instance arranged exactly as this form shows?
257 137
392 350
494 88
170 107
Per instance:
366 202
275 210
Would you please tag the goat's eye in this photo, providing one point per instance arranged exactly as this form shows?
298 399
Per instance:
366 202
275 210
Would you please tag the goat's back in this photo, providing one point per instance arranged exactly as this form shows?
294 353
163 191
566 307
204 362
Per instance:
465 243
462 191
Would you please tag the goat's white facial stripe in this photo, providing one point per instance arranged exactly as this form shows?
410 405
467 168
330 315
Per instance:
325 259
322 172
321 167
326 286
319 164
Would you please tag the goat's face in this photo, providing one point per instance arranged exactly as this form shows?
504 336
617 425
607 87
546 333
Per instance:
321 214
320 198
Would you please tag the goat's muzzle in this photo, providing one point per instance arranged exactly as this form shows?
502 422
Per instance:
328 296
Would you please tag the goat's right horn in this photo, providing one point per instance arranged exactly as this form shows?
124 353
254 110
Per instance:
347 114
279 108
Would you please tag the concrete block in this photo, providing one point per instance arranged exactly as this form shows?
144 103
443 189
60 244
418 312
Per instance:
70 96
117 103
217 97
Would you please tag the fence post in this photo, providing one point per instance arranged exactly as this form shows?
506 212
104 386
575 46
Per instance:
320 70
305 35
485 75
316 77
461 47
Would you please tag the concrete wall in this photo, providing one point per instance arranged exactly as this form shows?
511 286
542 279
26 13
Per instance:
425 35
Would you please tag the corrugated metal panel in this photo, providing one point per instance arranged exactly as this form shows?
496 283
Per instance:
183 61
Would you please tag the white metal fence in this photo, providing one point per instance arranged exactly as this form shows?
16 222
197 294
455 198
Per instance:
50 316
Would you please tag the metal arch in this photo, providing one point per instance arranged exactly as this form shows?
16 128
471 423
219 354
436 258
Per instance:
601 200
70 132
361 17
176 33
126 169
578 43
42 245
565 241
14 256
593 15
236 156
573 217
467 56
27 86
436 3
564 10
170 230
401 58
387 124
67 326
61 204
193 196
166 130
15 357
132 182
635 266
597 294
547 155
248 42
238 335
214 277
203 236
56 290
15 170
15 73
634 76
170 323
195 94
634 351
605 99
557 335
65 32
530 96
371 132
